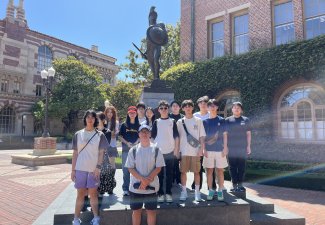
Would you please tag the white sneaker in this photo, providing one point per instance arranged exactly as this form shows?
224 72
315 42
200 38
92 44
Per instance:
161 198
126 193
183 196
95 220
76 221
198 196
169 198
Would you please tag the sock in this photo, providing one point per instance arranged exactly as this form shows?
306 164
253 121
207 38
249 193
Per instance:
197 187
184 188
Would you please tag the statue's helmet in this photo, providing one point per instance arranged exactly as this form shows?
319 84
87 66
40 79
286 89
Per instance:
157 34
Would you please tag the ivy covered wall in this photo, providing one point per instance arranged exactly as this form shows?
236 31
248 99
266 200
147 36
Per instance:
258 76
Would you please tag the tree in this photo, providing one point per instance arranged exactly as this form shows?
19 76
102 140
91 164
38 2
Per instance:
38 111
170 56
123 95
76 88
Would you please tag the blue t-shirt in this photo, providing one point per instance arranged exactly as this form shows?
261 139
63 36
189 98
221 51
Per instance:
212 127
237 134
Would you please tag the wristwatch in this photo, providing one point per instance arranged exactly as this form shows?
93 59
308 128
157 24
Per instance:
98 166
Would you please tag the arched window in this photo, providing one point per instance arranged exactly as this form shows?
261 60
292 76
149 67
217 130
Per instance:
302 113
225 101
45 58
7 120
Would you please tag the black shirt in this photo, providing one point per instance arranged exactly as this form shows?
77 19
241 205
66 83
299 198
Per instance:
237 136
176 117
130 134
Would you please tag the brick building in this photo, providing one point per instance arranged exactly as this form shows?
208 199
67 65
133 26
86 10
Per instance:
23 54
214 28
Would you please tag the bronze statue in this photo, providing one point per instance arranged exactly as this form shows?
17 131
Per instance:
156 37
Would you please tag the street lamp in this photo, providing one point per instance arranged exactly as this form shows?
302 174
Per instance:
47 77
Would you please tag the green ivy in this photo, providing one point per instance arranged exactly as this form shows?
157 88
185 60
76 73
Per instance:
256 74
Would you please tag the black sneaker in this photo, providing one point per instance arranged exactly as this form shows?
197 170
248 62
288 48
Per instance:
241 189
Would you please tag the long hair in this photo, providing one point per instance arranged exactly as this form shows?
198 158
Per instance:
113 119
153 117
128 121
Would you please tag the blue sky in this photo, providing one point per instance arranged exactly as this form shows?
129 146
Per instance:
111 24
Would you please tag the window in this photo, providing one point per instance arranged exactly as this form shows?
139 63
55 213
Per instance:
302 114
38 90
284 29
240 39
45 58
225 102
217 36
4 85
16 87
314 11
7 120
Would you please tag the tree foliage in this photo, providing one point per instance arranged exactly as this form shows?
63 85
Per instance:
123 95
75 89
170 56
38 111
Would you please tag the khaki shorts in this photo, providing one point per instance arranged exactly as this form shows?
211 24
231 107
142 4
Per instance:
215 160
190 164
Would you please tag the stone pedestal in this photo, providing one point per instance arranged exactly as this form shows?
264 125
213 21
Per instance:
44 153
157 91
44 146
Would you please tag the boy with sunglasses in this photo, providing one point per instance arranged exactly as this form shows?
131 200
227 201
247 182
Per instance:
165 135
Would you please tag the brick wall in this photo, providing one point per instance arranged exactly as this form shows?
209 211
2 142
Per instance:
260 24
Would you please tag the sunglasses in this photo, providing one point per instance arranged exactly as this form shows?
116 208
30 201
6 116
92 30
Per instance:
163 108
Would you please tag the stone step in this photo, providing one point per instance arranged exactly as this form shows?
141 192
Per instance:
258 204
279 217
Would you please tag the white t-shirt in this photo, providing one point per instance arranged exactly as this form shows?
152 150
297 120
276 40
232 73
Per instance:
202 117
88 157
144 164
195 127
143 119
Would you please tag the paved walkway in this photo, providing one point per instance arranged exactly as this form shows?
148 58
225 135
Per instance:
26 192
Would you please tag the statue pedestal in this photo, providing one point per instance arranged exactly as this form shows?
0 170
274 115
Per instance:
157 91
44 146
44 153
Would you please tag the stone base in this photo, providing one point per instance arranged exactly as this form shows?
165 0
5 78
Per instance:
32 160
44 146
157 91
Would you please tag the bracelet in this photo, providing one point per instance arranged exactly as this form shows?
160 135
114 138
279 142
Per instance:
98 166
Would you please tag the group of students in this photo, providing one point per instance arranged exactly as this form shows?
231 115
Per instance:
156 152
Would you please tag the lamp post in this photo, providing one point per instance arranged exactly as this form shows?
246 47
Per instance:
47 77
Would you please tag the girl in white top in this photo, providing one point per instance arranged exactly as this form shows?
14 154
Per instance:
150 117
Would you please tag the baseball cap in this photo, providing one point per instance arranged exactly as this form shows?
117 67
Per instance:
144 126
132 109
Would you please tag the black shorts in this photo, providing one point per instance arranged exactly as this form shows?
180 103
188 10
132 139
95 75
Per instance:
137 201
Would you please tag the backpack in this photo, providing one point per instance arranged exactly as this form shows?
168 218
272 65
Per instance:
156 153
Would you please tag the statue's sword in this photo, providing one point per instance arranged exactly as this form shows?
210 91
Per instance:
142 54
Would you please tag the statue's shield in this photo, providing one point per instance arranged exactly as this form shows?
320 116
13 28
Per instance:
157 34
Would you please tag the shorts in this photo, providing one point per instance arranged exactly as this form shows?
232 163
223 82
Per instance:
190 164
138 200
85 180
215 160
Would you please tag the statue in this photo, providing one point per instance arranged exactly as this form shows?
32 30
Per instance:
156 37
